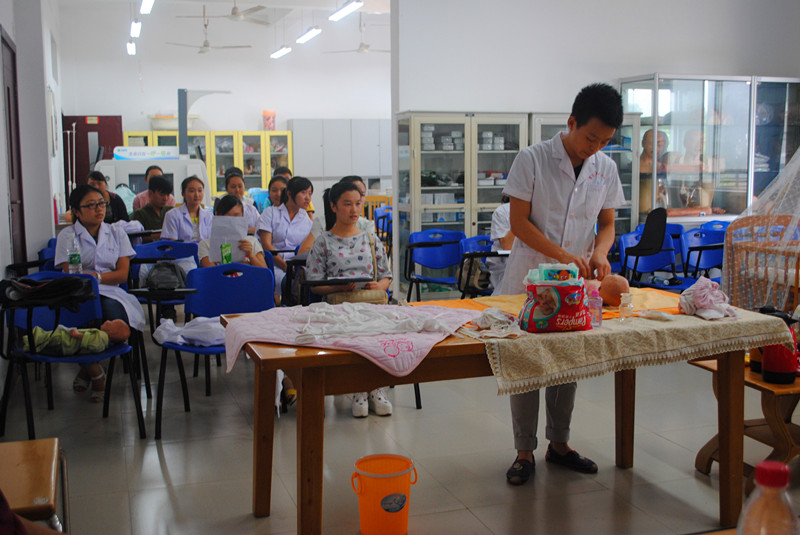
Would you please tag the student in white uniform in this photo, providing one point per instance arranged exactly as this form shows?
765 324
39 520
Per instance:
188 222
234 185
284 227
559 189
105 253
502 240
231 205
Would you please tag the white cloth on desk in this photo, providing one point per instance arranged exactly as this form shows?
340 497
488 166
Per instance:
706 300
397 353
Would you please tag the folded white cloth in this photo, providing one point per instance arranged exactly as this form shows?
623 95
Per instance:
199 332
706 300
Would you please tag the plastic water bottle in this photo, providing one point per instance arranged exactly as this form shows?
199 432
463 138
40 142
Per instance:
625 306
595 304
768 511
74 256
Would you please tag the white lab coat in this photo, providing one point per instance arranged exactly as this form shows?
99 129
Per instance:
501 225
563 208
250 214
101 257
178 225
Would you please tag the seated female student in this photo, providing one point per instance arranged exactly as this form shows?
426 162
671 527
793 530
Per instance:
345 251
105 253
188 222
234 185
321 224
276 186
284 227
231 205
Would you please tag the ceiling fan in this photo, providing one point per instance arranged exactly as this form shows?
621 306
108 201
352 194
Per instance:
206 46
363 47
236 15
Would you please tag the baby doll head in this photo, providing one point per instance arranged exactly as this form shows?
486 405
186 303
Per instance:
611 287
117 330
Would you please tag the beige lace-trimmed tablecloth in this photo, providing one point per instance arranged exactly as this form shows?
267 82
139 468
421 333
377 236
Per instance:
535 361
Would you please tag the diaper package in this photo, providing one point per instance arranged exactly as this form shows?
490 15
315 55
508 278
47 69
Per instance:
556 300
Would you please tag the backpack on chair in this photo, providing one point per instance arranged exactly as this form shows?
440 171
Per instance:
166 275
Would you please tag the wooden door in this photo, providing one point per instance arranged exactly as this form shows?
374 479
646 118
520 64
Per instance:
92 132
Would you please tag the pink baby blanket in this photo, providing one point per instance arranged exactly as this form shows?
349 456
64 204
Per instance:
395 338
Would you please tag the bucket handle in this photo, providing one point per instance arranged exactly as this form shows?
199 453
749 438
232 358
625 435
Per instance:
413 467
360 488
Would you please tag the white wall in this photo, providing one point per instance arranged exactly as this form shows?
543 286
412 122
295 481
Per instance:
6 256
534 55
100 78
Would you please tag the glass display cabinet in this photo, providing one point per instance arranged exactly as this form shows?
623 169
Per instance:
776 128
719 140
622 149
137 139
451 171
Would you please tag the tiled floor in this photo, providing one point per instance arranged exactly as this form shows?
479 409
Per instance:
198 478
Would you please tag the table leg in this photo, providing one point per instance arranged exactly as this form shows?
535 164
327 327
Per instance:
310 435
730 416
624 413
263 433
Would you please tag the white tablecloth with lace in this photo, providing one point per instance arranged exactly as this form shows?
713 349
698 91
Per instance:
534 361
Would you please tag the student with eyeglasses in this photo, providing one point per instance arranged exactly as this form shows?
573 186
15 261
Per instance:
105 254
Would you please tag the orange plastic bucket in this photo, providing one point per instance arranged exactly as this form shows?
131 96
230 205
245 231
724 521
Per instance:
382 483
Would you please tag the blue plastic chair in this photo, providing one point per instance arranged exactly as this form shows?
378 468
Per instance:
89 312
715 225
52 242
469 248
150 253
217 293
432 249
702 249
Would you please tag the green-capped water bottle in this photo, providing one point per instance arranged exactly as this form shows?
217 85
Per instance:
74 255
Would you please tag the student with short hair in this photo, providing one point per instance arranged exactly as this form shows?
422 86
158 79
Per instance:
559 189
151 215
143 197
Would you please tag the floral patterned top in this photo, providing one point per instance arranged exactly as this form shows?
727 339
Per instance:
334 257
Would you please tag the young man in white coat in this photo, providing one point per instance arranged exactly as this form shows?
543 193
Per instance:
559 189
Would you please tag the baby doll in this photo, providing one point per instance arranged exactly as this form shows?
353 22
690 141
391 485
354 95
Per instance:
63 341
610 288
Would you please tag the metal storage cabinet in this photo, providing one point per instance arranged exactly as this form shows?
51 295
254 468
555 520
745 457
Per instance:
451 168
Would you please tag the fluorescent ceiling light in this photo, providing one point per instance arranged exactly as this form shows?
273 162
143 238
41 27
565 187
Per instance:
147 6
309 34
282 51
345 10
131 48
136 28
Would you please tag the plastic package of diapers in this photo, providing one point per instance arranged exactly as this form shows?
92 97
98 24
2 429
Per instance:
556 300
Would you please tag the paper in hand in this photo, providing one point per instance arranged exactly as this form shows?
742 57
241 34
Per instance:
227 229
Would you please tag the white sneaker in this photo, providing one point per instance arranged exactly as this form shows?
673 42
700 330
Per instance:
379 403
360 406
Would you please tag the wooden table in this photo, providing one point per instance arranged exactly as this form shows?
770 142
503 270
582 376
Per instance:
775 429
326 372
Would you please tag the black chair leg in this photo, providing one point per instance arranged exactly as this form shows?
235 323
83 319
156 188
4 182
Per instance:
410 289
196 365
417 396
8 384
26 390
109 376
219 361
160 391
184 386
48 383
137 401
208 374
142 355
